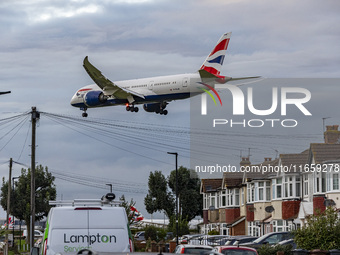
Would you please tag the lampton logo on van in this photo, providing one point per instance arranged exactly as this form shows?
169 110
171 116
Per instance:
90 239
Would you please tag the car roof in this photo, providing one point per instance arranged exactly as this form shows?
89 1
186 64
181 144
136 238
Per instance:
195 246
228 247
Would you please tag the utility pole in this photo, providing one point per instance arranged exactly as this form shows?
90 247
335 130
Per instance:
176 191
35 116
8 202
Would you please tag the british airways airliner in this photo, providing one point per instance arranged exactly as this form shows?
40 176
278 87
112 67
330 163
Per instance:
155 92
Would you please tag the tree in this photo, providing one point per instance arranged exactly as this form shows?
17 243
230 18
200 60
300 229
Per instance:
158 197
21 195
190 199
183 226
321 232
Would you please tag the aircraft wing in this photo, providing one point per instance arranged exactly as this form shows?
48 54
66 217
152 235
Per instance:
106 85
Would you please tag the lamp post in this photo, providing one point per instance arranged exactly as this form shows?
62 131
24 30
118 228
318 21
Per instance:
176 191
13 178
110 185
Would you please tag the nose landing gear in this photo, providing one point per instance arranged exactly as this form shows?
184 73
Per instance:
84 113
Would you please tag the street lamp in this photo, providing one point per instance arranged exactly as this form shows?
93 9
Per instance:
176 191
109 184
13 178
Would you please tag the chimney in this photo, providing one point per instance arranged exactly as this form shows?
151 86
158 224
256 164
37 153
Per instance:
245 161
332 134
267 159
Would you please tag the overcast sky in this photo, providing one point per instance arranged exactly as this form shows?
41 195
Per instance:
44 42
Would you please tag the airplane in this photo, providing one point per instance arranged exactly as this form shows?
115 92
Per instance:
4 92
155 92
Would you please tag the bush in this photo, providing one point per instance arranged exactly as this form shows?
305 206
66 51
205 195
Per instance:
213 232
321 232
183 226
270 250
154 233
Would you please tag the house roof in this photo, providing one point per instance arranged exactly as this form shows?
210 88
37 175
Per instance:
211 185
322 152
294 159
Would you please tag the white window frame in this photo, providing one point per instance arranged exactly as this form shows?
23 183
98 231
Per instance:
250 192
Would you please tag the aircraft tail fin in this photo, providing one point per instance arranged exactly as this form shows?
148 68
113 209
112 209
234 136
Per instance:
214 61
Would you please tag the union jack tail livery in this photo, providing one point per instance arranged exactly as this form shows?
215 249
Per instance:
214 61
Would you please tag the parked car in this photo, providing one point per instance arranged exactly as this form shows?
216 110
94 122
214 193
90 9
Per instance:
140 236
288 242
234 250
240 240
269 238
37 233
193 249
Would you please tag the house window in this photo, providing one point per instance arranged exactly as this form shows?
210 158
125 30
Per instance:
335 181
305 185
291 186
268 191
262 191
279 188
278 226
223 198
212 200
237 197
297 186
273 189
320 182
250 192
253 229
242 196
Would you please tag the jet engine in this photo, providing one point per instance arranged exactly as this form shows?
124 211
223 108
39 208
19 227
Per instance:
94 98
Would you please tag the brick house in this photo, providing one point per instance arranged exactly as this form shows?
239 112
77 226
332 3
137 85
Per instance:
255 203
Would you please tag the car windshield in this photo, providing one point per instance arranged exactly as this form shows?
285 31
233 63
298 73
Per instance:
258 240
238 252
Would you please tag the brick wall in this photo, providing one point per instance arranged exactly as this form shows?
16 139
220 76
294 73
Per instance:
318 204
239 229
231 214
205 217
250 212
290 209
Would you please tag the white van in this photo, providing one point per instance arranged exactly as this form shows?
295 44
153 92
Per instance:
86 224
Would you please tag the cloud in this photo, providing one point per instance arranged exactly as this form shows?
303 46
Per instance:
44 43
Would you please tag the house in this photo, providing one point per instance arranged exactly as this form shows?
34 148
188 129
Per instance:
275 195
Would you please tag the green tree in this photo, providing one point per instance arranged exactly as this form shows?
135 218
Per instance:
159 198
190 199
183 226
21 195
321 232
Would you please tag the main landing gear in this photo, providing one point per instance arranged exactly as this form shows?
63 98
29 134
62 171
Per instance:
162 112
132 108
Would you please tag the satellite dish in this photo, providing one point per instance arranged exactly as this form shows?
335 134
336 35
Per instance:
269 209
329 202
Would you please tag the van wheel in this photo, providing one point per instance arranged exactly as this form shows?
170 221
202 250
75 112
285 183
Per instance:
86 251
